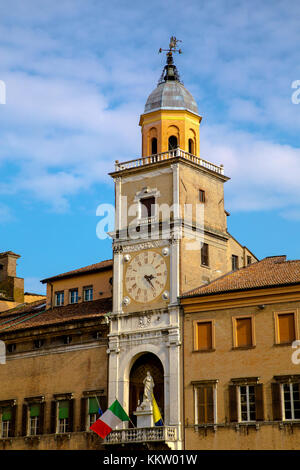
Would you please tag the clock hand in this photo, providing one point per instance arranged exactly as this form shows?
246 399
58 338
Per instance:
148 278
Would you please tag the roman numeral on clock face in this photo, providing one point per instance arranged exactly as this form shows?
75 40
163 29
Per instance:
146 276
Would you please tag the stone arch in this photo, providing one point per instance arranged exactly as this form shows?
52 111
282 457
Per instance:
172 134
125 366
192 142
152 141
144 363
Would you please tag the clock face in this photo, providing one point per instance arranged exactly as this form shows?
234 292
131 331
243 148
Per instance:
146 276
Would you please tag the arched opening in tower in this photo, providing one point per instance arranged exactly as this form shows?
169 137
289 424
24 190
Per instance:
146 362
173 142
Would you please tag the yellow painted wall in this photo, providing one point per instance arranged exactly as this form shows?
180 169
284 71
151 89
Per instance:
99 281
265 360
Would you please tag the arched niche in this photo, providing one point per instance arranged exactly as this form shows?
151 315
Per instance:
145 362
192 143
152 141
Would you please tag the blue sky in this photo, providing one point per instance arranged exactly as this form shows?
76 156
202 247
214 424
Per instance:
77 76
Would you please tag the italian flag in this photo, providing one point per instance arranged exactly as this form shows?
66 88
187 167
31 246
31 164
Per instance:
110 419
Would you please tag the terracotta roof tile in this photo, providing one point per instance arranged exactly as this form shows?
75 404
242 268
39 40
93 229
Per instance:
271 271
37 316
86 269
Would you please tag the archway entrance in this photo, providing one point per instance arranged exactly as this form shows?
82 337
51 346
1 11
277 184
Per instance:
147 361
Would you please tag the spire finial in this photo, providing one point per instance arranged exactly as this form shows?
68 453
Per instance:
170 71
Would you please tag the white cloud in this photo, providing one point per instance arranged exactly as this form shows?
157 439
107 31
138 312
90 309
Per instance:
264 175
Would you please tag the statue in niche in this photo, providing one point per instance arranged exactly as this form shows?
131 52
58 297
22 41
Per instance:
148 387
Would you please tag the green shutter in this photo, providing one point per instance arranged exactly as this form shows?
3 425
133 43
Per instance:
35 410
7 414
63 409
93 406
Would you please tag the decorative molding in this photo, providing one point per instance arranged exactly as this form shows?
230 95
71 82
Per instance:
144 246
144 321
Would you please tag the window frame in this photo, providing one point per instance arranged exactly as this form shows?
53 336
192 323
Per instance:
236 258
213 339
86 289
239 403
235 411
71 292
10 431
278 402
207 255
277 314
235 318
202 195
28 402
67 423
201 384
59 293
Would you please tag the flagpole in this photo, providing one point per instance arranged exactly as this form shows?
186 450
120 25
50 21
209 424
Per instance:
128 415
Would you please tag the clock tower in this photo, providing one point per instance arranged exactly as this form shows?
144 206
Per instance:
170 236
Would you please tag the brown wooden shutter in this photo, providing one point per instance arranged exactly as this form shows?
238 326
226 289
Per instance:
204 335
276 402
24 419
13 428
286 325
42 418
233 415
71 415
244 332
259 402
53 417
83 414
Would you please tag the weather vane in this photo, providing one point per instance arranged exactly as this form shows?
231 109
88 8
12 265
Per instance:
172 46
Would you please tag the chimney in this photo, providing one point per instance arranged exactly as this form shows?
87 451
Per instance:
11 286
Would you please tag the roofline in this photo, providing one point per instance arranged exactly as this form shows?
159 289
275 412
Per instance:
220 292
75 273
244 246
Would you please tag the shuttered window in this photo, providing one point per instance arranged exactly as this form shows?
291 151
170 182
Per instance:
7 420
204 335
291 398
286 328
243 332
205 404
63 416
246 402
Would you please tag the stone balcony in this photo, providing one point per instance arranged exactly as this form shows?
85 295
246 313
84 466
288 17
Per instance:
167 434
171 154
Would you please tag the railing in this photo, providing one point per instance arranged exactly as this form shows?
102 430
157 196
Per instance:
132 435
142 161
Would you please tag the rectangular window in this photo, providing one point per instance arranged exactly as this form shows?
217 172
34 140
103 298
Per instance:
94 410
63 416
205 396
87 293
59 298
291 401
6 421
201 195
243 332
249 260
73 296
286 327
204 336
34 419
247 403
148 206
204 255
235 262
